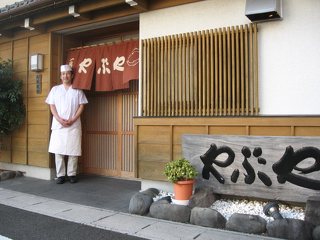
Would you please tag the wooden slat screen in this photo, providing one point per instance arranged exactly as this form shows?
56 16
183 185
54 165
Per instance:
206 73
108 141
129 109
101 148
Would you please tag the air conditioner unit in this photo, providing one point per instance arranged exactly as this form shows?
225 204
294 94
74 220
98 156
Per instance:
263 10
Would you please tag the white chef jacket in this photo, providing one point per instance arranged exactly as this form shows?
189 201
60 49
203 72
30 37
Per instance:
66 140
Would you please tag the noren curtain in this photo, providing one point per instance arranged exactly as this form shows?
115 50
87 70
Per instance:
106 67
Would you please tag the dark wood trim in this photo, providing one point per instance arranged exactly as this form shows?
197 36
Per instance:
56 17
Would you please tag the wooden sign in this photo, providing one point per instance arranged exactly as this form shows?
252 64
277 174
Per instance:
262 167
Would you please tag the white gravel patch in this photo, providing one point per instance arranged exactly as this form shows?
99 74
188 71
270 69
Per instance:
228 207
162 194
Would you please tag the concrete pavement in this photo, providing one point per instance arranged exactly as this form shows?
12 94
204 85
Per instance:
78 203
20 224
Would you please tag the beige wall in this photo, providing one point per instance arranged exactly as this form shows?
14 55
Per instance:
288 49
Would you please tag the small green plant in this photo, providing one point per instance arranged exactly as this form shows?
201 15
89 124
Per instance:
180 169
12 108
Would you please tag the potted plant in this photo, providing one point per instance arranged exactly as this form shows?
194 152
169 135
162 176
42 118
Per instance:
181 173
12 108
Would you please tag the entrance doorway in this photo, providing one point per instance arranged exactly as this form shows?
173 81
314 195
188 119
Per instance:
108 134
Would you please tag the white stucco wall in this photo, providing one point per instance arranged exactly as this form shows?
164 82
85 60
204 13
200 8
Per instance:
289 50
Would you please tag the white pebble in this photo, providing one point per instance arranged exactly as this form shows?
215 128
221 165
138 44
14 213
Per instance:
228 207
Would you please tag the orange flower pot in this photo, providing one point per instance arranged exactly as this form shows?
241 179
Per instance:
183 189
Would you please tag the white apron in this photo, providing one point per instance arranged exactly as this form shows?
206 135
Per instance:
66 140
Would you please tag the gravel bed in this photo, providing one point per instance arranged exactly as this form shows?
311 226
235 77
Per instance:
227 207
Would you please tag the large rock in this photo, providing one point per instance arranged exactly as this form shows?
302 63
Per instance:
4 175
140 202
173 212
246 223
203 197
316 233
207 217
152 192
288 228
312 212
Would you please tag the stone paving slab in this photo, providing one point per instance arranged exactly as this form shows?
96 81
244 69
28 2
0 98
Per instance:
84 214
164 230
23 200
140 226
223 234
7 194
125 223
50 208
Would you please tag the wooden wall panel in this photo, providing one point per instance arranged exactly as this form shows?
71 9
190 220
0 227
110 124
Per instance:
37 104
38 131
21 44
151 170
270 131
19 144
45 77
32 93
56 52
230 130
40 159
19 157
39 44
55 71
6 50
19 150
21 132
37 145
24 78
5 156
20 57
5 151
153 133
20 68
177 151
162 152
37 117
38 110
307 131
179 130
21 65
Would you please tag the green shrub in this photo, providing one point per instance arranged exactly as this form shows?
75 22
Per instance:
180 169
12 109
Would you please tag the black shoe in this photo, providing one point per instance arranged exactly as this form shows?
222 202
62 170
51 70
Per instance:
73 179
60 180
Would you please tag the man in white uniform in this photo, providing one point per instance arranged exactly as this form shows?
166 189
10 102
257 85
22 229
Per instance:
66 105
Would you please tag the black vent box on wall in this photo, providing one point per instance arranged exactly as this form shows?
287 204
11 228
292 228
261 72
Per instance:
263 10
